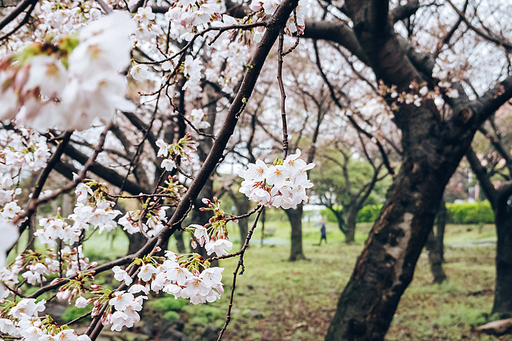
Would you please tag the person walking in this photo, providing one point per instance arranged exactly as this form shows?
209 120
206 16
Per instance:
323 234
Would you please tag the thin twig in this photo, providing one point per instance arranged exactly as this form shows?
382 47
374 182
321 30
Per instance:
283 93
34 200
14 14
500 41
140 146
23 22
246 215
235 273
32 205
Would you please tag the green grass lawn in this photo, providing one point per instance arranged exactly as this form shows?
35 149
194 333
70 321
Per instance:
297 300
279 300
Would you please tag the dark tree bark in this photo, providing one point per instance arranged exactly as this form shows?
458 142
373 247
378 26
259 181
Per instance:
442 216
434 258
137 241
503 220
339 218
434 246
180 243
350 223
242 206
432 148
262 219
295 218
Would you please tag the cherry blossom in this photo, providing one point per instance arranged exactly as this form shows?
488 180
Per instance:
53 95
280 185
122 275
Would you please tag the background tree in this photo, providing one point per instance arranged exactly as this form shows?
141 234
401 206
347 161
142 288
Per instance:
497 163
343 184
433 143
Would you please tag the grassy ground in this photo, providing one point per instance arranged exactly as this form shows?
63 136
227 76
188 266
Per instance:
278 300
298 299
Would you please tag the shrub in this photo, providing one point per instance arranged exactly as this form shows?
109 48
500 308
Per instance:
166 304
171 315
465 213
470 213
73 312
369 213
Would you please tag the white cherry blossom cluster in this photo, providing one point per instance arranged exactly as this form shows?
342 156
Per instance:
176 279
62 19
19 151
214 235
219 245
89 210
47 90
22 321
9 276
192 70
22 149
183 148
186 17
295 22
55 229
419 93
181 279
99 213
148 30
37 271
279 185
154 221
196 118
34 267
126 307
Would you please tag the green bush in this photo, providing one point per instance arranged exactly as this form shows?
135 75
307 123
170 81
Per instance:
73 312
203 314
327 213
467 213
369 213
171 315
167 304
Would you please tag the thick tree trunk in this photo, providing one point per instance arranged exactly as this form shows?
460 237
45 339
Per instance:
295 218
339 218
442 215
434 246
499 199
137 241
341 225
435 259
242 205
350 224
243 226
503 293
180 243
386 266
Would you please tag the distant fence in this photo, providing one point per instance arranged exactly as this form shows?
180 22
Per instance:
465 213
